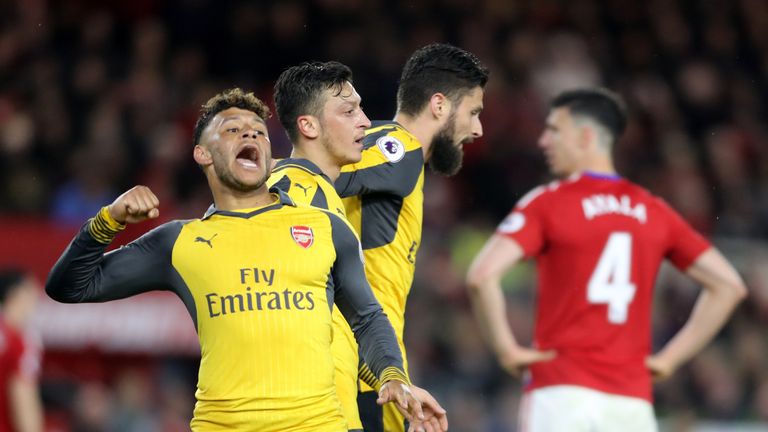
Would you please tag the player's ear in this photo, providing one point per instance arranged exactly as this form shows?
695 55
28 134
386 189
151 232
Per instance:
308 125
202 155
439 105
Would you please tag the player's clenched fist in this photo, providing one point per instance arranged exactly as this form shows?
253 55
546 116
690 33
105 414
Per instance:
136 205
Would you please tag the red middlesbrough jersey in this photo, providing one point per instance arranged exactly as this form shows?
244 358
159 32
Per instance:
20 357
598 242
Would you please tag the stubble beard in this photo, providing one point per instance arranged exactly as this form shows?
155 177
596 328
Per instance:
338 156
228 179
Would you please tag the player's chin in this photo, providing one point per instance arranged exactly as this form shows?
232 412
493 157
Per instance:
254 180
553 168
352 157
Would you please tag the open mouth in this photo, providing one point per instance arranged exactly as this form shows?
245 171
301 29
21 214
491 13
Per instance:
248 156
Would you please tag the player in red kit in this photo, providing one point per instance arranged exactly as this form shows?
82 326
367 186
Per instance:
20 406
598 241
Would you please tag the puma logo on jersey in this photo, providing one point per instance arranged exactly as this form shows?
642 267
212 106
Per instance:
603 204
206 241
305 189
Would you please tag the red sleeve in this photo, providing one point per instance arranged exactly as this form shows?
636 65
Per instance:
524 224
685 244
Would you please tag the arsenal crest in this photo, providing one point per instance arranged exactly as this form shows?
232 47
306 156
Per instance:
302 235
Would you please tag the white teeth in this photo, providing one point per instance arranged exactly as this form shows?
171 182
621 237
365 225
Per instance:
247 163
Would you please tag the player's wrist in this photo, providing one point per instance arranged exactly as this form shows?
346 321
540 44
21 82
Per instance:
394 374
365 375
508 354
110 214
103 227
393 382
668 362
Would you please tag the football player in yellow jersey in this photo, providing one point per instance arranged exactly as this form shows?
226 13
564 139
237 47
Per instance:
439 100
259 276
321 113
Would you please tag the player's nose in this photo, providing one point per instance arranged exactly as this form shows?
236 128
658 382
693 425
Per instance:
250 133
365 122
477 128
543 141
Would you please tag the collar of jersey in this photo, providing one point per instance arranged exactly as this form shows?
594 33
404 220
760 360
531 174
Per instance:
601 176
304 164
387 126
379 123
282 200
383 126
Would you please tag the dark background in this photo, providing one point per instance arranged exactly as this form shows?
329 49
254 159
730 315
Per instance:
96 97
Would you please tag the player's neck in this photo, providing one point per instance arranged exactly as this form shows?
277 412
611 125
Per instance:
228 199
321 159
422 128
600 166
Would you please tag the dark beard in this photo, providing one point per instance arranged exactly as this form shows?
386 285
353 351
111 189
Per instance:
446 157
226 178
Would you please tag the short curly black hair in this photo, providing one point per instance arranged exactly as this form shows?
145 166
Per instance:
298 90
231 98
438 68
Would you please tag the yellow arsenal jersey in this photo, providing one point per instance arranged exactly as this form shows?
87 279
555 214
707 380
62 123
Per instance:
259 285
384 197
305 183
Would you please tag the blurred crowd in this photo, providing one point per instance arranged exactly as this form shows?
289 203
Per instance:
96 97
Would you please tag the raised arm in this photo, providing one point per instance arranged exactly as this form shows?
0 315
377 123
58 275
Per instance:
496 258
723 289
84 273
